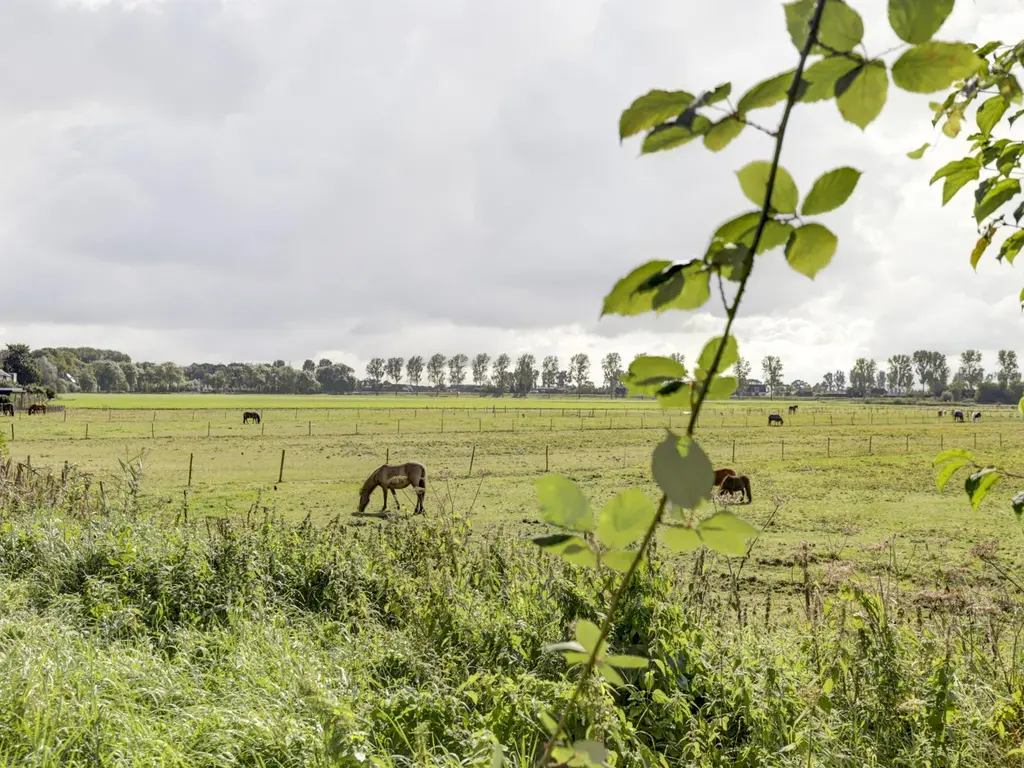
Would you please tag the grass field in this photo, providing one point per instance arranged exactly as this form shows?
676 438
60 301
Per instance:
848 477
863 630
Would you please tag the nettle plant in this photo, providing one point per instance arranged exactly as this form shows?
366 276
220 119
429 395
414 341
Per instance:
993 93
832 64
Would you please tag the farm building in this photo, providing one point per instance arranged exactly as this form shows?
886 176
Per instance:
755 388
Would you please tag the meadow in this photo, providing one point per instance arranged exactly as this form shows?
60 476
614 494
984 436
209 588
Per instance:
239 620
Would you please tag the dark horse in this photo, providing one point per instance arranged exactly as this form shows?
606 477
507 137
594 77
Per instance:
36 408
958 415
250 416
6 409
721 474
774 418
388 477
738 484
792 408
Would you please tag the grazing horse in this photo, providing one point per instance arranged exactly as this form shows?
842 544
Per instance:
941 414
958 415
250 416
388 477
36 408
976 416
721 474
6 409
738 484
792 408
774 418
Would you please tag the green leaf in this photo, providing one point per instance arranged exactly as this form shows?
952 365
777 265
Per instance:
823 75
987 48
1020 405
1017 502
660 697
952 453
1011 246
742 229
549 723
592 752
996 195
1022 307
624 298
957 173
918 153
979 484
952 125
810 249
861 93
934 66
830 191
682 470
766 93
990 113
726 533
651 109
720 93
840 29
681 538
721 387
721 133
625 519
626 662
917 21
589 634
675 395
947 472
648 373
689 288
753 178
954 167
618 559
571 548
730 354
664 138
979 248
562 503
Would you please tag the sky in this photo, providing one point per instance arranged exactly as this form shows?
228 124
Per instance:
247 180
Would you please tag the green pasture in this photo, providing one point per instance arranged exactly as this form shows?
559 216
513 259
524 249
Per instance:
849 479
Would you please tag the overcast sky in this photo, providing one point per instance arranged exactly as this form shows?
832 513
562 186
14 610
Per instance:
256 179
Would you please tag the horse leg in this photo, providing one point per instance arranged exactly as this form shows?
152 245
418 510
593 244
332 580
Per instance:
385 492
421 491
395 495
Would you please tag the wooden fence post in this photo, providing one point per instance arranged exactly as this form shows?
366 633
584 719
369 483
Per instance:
869 444
263 426
280 472
152 430
546 464
190 469
309 431
471 457
783 443
207 429
828 447
387 455
734 451
87 430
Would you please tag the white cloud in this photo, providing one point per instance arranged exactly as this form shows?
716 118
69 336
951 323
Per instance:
196 180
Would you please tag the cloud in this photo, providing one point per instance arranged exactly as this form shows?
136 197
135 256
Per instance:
191 180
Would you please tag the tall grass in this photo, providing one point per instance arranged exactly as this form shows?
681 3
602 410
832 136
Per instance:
127 638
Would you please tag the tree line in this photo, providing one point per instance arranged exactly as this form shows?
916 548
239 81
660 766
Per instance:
89 369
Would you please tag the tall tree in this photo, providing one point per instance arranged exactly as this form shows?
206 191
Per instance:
375 371
324 362
18 360
414 370
457 369
923 364
500 368
336 379
308 365
901 373
579 369
840 380
863 375
525 374
109 376
480 364
1009 371
742 369
679 357
771 367
940 373
970 370
393 369
611 367
828 381
549 371
435 370
882 379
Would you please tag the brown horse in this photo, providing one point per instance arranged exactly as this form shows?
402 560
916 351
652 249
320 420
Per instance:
738 484
721 474
6 409
389 477
36 408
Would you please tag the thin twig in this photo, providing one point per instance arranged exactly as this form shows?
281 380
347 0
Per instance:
791 99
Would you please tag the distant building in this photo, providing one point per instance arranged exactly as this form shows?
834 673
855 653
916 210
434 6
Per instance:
755 388
6 377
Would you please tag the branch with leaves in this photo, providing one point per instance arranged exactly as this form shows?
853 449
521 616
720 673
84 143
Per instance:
829 32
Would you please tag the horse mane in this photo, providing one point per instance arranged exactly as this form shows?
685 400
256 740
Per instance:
372 482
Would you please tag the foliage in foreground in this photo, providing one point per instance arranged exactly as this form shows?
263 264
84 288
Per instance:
130 639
